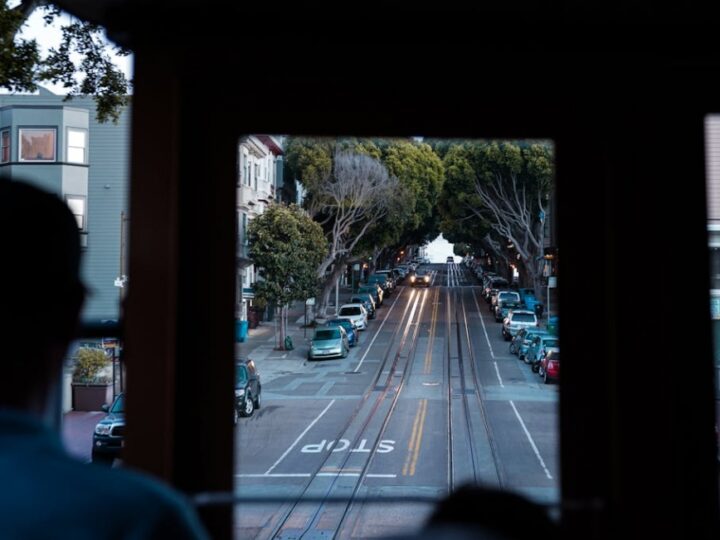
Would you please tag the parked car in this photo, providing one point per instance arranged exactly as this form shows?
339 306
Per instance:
109 435
247 388
494 283
375 291
420 279
355 313
350 330
367 300
549 368
390 275
517 319
539 347
503 307
329 343
530 334
517 341
383 280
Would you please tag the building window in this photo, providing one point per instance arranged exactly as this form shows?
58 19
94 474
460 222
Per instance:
5 143
76 145
77 207
37 144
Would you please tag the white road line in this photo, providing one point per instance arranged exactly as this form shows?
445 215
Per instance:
265 475
497 371
308 475
293 445
487 338
532 443
357 368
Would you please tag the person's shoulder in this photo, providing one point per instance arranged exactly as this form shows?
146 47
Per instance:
152 505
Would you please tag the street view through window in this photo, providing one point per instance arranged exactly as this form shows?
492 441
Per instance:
396 328
712 152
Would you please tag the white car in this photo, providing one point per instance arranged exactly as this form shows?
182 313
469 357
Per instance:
517 319
355 313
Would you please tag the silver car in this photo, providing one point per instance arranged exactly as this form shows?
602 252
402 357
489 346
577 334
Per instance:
517 319
329 343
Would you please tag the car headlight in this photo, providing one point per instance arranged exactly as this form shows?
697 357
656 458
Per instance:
427 278
103 429
412 278
239 392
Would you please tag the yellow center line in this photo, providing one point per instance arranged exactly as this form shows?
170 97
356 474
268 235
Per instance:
415 437
416 452
431 337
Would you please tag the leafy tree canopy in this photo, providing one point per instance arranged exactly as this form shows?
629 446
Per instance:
287 246
412 217
81 63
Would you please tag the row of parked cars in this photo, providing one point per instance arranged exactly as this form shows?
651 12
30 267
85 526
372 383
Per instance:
519 311
335 338
109 433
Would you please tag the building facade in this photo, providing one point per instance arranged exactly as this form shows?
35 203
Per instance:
259 178
60 146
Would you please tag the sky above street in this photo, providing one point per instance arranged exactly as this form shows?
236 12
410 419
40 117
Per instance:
439 250
50 36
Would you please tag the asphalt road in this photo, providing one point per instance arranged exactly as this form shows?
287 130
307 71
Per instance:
430 399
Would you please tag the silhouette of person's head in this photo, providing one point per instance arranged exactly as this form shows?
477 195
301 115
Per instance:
42 292
480 512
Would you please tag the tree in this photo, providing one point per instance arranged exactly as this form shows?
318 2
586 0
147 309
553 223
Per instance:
349 203
506 185
287 246
81 63
458 222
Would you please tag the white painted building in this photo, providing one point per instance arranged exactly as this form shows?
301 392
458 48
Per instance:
259 169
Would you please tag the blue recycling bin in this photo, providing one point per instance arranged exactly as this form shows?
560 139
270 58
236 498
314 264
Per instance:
241 330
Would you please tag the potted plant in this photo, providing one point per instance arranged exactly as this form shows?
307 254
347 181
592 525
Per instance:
92 388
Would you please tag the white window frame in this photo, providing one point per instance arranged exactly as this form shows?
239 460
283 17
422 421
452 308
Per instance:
82 222
3 134
84 132
20 144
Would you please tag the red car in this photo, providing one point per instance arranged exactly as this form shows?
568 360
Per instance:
549 368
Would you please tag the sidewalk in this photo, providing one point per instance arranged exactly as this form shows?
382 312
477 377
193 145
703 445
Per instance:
77 432
261 342
78 426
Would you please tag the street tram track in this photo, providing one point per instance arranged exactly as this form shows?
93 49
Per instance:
312 516
470 394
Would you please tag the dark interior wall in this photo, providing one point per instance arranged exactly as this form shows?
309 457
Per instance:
637 399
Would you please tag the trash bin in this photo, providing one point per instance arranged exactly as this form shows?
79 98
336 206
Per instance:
241 330
288 343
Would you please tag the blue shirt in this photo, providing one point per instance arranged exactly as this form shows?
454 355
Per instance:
45 493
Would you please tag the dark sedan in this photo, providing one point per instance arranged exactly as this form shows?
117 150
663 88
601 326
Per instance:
247 388
109 434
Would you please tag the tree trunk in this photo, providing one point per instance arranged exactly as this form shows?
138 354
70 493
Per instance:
329 285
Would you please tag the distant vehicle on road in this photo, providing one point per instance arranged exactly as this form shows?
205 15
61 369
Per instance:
451 259
420 279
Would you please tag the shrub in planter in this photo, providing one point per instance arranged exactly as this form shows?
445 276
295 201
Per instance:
89 363
91 389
